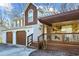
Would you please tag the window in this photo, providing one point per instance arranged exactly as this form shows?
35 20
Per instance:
30 15
17 23
21 23
67 29
14 24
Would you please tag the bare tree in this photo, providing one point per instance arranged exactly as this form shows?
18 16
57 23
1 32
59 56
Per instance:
69 6
63 7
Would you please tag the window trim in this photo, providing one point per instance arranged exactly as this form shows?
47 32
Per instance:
32 15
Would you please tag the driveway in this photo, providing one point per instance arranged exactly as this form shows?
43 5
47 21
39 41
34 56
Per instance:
13 50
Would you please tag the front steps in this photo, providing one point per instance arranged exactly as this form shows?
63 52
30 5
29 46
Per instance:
34 45
51 45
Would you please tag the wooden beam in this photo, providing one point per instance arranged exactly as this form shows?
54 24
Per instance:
66 16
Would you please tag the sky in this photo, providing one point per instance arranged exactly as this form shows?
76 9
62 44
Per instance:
14 8
18 8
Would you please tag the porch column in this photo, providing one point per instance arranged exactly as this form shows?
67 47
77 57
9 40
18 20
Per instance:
45 31
14 37
49 32
44 28
74 30
74 27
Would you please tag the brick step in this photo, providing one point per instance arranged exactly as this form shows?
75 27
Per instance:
61 42
61 48
54 46
34 45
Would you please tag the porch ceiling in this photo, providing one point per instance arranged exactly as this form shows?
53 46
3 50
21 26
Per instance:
65 16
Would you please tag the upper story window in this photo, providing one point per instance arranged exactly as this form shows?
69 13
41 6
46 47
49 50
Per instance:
18 23
14 24
21 23
30 15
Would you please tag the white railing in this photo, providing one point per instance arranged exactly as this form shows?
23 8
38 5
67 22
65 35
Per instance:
66 37
62 37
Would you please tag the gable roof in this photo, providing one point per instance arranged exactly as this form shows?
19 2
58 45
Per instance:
28 6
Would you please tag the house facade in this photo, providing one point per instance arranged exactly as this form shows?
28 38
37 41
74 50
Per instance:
23 28
35 25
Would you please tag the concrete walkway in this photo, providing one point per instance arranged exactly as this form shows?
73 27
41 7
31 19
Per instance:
15 51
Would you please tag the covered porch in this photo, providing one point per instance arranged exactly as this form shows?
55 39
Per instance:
60 28
62 32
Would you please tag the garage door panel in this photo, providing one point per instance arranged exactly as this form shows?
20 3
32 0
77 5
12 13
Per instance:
21 37
9 37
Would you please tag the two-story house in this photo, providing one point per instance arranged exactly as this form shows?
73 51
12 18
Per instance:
29 25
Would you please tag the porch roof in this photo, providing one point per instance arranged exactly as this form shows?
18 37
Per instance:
65 16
